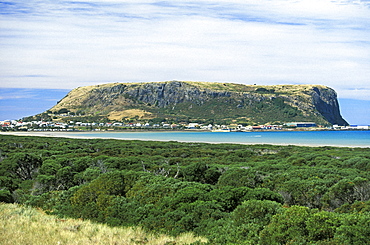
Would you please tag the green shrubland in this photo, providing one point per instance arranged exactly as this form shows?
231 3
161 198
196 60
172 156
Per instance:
226 193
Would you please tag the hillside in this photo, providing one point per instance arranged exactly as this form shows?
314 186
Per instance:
205 102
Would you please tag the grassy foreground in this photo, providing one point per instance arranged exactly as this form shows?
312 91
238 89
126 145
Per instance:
24 225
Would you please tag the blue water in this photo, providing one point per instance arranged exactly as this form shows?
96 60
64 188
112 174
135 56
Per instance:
314 138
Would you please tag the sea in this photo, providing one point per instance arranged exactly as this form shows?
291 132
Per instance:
303 138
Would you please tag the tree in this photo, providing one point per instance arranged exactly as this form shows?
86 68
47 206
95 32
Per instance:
202 173
322 226
25 165
347 191
355 229
5 196
252 216
288 227
358 162
239 177
92 200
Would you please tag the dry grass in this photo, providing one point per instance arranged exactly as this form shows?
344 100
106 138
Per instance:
74 97
118 115
24 225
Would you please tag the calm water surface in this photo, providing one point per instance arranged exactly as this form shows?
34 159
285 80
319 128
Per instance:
315 138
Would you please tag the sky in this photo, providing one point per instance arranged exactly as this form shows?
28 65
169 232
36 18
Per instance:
50 47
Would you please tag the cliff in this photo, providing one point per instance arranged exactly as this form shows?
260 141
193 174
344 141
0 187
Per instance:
203 102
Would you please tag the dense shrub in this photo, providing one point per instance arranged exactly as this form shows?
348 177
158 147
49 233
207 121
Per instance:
232 194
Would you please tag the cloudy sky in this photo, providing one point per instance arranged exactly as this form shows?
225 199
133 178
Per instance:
59 44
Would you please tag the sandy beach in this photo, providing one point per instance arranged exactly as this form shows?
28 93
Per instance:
197 137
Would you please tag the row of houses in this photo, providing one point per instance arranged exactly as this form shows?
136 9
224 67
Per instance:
37 125
352 127
43 125
21 124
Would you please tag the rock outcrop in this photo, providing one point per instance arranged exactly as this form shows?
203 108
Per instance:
204 101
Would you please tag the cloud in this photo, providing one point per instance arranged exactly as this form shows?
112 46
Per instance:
66 44
13 94
7 94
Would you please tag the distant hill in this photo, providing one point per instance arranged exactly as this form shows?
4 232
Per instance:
204 102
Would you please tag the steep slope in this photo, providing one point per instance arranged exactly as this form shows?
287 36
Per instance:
203 102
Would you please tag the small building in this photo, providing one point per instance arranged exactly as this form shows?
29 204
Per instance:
357 127
301 124
193 126
257 127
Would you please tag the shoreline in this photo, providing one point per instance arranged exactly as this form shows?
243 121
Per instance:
74 135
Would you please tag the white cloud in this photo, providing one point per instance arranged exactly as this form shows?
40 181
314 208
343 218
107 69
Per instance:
65 44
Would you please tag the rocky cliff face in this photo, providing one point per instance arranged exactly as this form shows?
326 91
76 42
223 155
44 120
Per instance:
205 101
326 103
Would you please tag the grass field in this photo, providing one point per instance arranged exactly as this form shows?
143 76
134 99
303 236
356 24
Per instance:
24 225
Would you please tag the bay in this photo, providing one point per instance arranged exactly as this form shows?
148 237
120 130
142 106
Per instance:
304 138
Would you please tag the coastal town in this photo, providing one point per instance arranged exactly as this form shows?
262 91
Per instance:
19 125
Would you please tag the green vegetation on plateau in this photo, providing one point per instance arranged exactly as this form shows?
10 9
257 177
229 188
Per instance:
202 102
227 193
